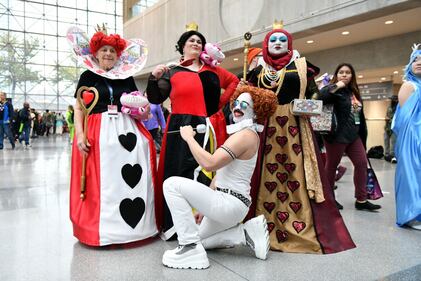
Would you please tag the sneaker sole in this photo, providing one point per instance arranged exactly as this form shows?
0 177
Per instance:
262 246
192 262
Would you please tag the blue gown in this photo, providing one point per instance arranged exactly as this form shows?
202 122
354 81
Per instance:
406 124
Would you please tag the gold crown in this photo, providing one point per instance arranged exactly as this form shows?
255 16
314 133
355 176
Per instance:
192 26
102 29
278 24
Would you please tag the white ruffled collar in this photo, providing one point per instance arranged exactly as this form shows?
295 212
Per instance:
247 123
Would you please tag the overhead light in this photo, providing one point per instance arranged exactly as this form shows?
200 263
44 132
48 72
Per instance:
345 32
235 59
310 41
395 72
388 22
383 78
360 76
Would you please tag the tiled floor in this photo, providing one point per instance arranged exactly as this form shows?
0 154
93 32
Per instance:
36 241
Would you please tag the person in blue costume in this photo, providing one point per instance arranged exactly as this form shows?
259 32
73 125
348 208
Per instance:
406 125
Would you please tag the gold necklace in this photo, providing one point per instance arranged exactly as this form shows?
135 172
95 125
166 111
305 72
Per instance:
278 83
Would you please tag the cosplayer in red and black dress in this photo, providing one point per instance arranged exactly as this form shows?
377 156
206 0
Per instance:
195 96
119 202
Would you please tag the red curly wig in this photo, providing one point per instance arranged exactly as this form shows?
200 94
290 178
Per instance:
100 39
264 101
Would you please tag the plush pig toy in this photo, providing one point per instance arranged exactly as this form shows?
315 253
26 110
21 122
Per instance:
212 54
135 104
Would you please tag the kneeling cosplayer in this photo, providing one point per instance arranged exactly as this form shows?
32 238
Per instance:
222 206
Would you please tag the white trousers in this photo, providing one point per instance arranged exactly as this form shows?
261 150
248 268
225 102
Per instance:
222 212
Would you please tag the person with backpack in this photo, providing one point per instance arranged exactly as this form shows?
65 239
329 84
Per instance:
25 125
6 111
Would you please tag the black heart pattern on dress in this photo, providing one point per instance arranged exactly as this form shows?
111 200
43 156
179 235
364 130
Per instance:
131 174
128 141
132 210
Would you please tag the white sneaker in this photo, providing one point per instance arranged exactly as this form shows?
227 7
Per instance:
187 256
257 236
394 160
414 224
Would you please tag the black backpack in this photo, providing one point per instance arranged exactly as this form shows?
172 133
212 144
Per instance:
375 152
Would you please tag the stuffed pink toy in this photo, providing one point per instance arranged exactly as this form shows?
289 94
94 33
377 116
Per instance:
135 104
212 54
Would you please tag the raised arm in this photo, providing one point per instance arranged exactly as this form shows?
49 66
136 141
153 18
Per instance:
237 145
159 86
228 82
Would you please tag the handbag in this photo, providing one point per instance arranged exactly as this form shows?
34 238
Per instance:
307 107
374 191
326 122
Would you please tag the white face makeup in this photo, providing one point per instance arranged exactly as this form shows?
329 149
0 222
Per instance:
278 44
242 108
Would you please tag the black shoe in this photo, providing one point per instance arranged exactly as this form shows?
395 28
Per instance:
388 158
366 206
338 205
394 160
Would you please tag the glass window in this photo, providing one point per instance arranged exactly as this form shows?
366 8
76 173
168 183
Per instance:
17 22
66 15
50 12
45 58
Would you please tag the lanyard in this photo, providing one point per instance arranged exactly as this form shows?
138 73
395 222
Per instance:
110 90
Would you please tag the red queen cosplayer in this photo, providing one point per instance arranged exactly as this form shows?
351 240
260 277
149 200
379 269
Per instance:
226 202
114 203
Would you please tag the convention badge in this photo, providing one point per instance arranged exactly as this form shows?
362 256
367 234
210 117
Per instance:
112 111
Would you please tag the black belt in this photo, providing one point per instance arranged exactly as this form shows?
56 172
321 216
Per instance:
237 195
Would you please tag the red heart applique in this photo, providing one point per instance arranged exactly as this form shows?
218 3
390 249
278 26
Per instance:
282 236
271 226
293 130
282 177
271 131
268 148
290 167
282 120
281 158
297 148
293 185
298 226
87 97
272 167
281 141
269 206
283 196
295 206
271 186
282 216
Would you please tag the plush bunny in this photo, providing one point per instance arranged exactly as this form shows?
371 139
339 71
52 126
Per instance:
135 104
212 54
